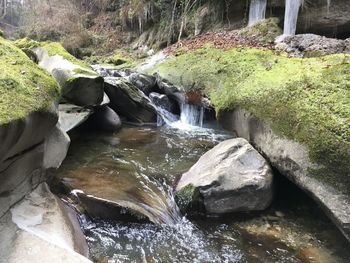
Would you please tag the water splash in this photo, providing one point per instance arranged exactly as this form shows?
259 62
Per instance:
257 11
291 16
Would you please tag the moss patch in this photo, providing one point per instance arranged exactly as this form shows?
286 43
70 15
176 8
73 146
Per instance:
52 48
307 100
24 86
264 31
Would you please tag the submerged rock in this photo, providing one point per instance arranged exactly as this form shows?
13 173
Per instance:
232 177
127 100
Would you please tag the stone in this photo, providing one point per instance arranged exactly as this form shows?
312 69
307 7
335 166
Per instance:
310 45
71 116
105 119
79 85
42 229
292 160
19 176
127 100
22 134
56 148
143 82
162 100
172 91
232 177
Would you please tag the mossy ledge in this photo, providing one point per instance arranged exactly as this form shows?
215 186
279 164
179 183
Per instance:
24 86
306 100
52 48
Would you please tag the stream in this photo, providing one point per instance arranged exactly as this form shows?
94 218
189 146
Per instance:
138 166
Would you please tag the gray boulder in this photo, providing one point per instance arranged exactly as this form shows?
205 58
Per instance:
232 177
127 100
310 45
41 228
79 85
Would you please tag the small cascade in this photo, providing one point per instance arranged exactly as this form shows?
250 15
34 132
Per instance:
154 200
192 115
291 16
257 11
328 5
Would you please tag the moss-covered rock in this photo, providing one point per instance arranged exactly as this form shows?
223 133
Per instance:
24 86
307 100
52 48
79 84
264 31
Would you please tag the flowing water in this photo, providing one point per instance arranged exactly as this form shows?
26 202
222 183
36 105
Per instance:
291 16
138 165
257 11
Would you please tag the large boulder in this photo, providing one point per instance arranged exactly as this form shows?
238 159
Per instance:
42 229
232 177
28 114
80 85
293 160
127 100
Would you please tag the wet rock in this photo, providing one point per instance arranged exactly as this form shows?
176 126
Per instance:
105 119
71 116
99 208
143 82
292 160
42 229
164 102
231 177
170 90
310 45
56 148
127 100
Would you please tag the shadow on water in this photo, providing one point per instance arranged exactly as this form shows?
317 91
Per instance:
138 165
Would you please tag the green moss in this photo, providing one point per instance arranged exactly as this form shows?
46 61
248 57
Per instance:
24 86
52 48
186 197
121 59
307 100
264 31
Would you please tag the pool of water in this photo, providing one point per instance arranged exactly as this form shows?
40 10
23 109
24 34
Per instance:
139 166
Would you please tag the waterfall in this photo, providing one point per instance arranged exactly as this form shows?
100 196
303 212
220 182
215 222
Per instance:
291 16
328 5
192 115
257 11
